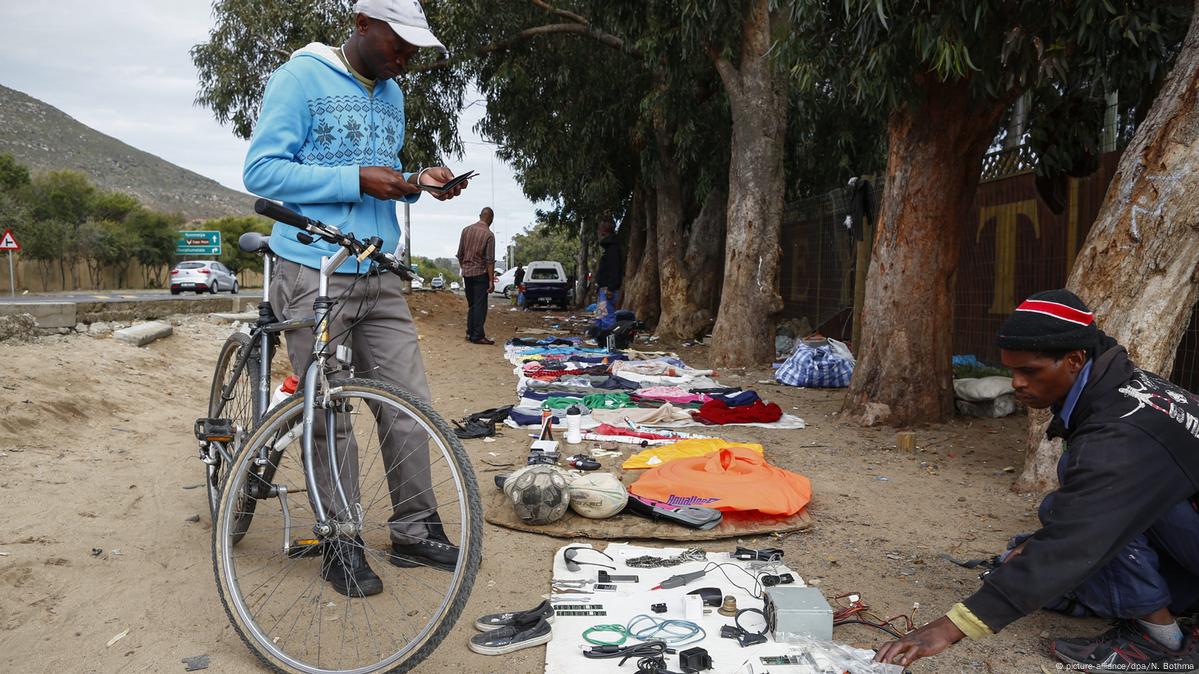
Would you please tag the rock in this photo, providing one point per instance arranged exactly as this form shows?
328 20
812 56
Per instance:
17 327
64 331
99 329
81 327
144 333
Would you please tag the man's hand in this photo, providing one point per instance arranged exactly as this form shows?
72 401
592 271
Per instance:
491 287
382 182
436 177
1014 552
928 640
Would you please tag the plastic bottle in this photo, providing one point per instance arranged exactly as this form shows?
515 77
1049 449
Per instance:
574 419
284 390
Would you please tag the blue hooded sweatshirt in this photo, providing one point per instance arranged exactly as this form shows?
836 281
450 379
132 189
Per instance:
317 126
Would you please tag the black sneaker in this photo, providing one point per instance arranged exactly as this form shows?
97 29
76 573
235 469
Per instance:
494 621
343 564
436 551
1124 648
511 638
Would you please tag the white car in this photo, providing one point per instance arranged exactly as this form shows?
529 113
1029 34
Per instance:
505 284
438 282
418 283
202 276
454 285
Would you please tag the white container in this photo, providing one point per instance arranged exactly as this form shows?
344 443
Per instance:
283 391
574 426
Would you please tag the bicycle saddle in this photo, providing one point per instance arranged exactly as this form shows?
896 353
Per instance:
253 242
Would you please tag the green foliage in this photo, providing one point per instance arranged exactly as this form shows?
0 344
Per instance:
113 206
428 268
12 174
546 241
63 196
231 229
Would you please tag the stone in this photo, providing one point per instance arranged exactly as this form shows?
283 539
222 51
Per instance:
17 328
81 327
99 329
144 333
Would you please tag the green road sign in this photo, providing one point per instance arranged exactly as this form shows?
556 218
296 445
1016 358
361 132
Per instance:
198 243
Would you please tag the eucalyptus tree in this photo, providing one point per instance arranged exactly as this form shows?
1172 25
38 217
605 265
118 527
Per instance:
945 74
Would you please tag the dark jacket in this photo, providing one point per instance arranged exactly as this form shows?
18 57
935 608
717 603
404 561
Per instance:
611 265
1132 453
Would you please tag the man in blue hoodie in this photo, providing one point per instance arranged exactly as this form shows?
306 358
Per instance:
327 144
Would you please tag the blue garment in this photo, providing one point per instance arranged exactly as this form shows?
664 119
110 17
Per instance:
739 399
1159 568
316 128
1080 383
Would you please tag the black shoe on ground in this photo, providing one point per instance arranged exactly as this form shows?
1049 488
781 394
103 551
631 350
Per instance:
436 551
511 638
1125 648
343 564
483 340
494 621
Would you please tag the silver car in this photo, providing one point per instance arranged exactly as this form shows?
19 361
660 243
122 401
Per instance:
201 276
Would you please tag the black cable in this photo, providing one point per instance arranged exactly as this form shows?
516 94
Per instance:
884 628
649 649
755 593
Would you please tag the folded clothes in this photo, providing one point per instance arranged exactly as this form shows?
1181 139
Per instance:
718 412
641 415
670 394
738 399
732 478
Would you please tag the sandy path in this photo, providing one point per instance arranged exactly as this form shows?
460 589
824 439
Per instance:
96 453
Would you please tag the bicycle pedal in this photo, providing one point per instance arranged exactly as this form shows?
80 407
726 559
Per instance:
304 547
214 430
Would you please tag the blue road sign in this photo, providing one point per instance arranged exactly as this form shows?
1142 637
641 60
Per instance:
199 243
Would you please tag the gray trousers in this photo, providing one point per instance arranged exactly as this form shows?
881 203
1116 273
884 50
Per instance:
385 347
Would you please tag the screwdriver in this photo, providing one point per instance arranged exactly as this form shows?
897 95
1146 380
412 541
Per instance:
680 580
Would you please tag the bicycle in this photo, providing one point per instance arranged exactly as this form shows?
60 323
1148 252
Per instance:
269 576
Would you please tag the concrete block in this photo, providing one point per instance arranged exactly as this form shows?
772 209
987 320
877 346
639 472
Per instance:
246 317
144 333
47 314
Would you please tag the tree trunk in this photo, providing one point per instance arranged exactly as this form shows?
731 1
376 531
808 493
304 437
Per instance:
744 331
1147 230
642 292
680 317
904 374
705 254
632 236
582 265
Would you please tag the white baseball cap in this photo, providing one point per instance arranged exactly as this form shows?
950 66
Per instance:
405 17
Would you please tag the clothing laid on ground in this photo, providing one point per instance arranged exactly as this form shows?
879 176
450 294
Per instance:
719 412
1132 456
730 479
476 306
683 449
316 128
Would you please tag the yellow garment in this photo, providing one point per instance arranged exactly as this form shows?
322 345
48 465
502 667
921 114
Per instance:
683 449
965 620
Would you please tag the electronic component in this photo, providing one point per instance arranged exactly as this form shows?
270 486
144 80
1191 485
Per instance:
694 660
770 580
658 608
798 611
605 577
765 554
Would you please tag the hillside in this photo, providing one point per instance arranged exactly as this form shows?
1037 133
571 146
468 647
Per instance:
44 138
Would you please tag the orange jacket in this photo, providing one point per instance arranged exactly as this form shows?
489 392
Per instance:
732 478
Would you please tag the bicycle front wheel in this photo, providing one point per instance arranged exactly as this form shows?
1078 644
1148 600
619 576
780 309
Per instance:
401 468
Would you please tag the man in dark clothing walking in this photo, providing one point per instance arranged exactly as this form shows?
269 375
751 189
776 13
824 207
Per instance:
476 255
1120 536
608 278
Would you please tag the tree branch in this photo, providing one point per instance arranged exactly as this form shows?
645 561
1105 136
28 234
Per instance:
606 39
561 12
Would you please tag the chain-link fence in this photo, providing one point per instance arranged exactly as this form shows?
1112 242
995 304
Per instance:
1020 238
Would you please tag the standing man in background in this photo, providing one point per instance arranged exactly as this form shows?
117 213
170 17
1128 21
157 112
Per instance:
476 255
518 279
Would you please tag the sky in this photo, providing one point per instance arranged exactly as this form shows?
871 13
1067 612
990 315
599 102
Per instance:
123 69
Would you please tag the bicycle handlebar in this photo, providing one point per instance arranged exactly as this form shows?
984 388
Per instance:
359 249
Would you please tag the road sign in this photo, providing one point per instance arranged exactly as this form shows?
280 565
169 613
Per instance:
199 243
8 241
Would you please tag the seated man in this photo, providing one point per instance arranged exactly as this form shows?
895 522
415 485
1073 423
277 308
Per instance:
1120 536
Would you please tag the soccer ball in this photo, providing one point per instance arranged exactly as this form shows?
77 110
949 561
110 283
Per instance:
597 495
540 494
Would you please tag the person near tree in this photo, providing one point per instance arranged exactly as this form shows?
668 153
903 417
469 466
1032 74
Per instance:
327 144
1120 536
476 255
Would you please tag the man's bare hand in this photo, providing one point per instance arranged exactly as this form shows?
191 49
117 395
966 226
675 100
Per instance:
436 177
1015 552
928 640
382 182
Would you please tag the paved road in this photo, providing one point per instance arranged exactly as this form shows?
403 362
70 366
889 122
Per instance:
114 296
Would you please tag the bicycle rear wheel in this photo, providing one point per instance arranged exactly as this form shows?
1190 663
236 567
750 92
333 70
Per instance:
279 604
236 404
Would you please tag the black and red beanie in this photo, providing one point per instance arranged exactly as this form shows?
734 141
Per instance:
1053 320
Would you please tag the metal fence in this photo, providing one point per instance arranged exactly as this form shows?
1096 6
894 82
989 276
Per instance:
1014 245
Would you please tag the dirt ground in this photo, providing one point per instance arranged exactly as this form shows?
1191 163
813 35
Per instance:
106 530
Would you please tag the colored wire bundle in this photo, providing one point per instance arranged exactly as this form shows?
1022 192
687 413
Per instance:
668 630
856 612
